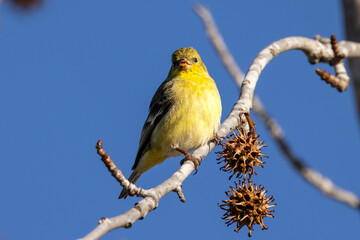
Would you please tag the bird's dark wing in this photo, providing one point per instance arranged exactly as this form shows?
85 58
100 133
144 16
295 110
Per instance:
160 105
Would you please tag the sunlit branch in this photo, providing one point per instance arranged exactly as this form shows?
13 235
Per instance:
316 51
322 49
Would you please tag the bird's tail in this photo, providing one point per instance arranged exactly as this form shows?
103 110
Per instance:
133 178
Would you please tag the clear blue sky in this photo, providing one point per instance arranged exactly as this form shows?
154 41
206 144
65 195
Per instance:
73 72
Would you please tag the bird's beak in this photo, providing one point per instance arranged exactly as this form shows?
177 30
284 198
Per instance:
184 64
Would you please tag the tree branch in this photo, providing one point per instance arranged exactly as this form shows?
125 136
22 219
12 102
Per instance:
322 183
152 196
142 208
351 13
320 50
315 50
219 44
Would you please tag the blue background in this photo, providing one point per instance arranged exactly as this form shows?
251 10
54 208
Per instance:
73 72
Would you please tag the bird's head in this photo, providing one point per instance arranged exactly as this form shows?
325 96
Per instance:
186 59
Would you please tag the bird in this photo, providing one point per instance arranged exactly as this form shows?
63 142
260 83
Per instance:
184 114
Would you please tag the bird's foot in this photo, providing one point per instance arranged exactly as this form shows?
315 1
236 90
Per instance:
188 156
216 139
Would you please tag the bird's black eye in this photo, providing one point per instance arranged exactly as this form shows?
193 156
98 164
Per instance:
195 60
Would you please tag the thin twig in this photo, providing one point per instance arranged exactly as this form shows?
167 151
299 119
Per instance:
219 44
151 197
180 193
315 55
117 174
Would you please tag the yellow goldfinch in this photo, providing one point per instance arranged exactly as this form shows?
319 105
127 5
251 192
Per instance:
184 114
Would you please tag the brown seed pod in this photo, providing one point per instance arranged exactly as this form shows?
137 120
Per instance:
247 205
240 153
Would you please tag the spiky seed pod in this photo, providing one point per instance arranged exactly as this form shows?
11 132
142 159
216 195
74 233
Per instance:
241 153
247 205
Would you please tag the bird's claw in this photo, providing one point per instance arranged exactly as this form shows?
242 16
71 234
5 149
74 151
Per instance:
188 156
196 161
216 139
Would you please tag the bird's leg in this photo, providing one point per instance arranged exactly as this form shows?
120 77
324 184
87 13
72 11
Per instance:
190 157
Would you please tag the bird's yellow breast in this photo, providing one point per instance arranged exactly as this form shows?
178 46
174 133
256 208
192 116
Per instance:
193 118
